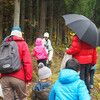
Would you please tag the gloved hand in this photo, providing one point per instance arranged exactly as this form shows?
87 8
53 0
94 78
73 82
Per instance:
67 48
28 84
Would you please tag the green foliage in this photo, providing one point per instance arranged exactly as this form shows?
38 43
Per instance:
60 7
84 7
97 13
98 49
69 5
98 61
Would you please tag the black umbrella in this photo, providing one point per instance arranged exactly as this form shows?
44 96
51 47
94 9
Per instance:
84 28
99 38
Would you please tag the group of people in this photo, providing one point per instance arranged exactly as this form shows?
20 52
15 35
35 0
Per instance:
73 82
18 81
69 86
87 57
43 50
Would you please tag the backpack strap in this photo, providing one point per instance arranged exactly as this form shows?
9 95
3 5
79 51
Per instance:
10 37
23 69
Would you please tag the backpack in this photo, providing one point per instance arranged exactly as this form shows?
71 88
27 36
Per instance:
9 57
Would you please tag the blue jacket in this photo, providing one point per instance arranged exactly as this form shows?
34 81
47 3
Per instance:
69 87
42 85
5 39
93 68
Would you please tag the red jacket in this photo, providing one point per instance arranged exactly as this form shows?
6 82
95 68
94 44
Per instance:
24 55
82 51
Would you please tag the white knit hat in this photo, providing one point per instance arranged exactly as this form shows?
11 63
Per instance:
46 34
16 31
43 72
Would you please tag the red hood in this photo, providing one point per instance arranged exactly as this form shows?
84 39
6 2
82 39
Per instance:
15 38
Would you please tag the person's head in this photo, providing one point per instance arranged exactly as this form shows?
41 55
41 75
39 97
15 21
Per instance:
46 35
72 64
44 72
16 31
38 41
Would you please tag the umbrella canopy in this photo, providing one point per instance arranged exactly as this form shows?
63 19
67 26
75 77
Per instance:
99 38
84 28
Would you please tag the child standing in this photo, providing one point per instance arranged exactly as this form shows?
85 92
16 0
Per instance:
49 49
40 52
92 71
42 88
69 86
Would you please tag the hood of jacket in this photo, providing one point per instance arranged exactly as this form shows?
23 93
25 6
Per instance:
38 41
67 76
15 38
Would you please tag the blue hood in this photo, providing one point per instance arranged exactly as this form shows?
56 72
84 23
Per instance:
67 76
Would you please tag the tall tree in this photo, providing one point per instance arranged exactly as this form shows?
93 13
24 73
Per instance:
63 34
30 21
37 15
22 14
42 17
17 13
1 19
51 18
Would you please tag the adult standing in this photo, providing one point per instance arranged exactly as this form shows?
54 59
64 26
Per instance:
86 55
48 46
18 81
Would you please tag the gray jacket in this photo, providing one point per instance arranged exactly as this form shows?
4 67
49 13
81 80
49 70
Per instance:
41 95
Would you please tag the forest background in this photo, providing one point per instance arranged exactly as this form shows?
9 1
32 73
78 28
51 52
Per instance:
38 16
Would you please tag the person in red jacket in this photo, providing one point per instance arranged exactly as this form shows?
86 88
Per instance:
18 81
86 55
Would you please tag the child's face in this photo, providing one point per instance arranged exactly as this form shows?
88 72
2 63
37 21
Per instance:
49 79
46 38
45 80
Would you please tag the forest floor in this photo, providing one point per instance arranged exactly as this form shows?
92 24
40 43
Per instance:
57 58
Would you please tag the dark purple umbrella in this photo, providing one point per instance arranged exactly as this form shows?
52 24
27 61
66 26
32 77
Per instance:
84 28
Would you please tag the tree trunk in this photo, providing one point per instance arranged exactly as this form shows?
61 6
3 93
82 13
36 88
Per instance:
1 19
42 18
17 13
22 14
63 34
57 34
37 17
30 21
51 19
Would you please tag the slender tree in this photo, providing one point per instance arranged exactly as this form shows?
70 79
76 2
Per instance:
30 21
63 34
1 19
42 17
51 18
37 15
17 13
22 14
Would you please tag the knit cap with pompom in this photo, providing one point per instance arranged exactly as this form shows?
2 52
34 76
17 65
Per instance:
16 31
43 72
